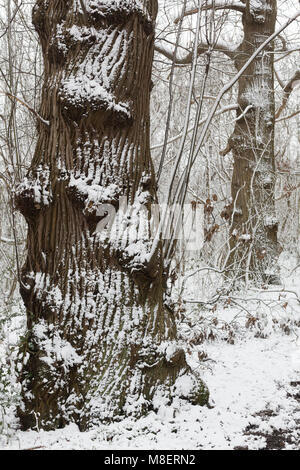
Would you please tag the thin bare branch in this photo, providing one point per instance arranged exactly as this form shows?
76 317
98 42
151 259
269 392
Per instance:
233 5
202 48
33 111
292 83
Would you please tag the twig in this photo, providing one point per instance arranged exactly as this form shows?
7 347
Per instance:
33 111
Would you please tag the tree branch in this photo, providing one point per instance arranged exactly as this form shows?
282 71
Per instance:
9 241
230 84
33 111
11 20
295 80
284 118
222 5
202 48
223 109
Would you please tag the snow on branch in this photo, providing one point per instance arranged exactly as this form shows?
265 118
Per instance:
184 177
10 241
250 106
33 111
230 84
231 5
202 48
289 87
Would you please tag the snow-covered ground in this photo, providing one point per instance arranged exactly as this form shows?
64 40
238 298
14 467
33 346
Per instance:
250 386
247 381
254 388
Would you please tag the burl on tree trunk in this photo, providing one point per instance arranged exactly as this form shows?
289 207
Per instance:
253 238
100 342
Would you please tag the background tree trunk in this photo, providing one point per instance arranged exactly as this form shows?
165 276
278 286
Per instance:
253 242
100 341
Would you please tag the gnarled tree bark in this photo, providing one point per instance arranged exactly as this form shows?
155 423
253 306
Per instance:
100 340
253 239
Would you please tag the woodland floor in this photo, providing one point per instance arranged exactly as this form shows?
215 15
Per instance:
254 388
255 399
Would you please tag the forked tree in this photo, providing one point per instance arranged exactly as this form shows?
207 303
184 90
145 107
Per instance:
100 341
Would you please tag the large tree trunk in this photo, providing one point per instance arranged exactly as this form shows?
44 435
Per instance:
100 340
253 239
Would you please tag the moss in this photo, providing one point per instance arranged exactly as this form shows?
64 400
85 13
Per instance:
202 396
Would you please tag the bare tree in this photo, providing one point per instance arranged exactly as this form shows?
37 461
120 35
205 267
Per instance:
253 245
101 340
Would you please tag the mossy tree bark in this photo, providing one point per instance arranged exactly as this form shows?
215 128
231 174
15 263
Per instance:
100 340
253 238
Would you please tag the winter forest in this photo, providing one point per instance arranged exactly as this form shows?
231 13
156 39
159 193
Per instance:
150 224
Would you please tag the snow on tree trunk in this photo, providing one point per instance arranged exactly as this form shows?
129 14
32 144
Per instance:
100 341
253 241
